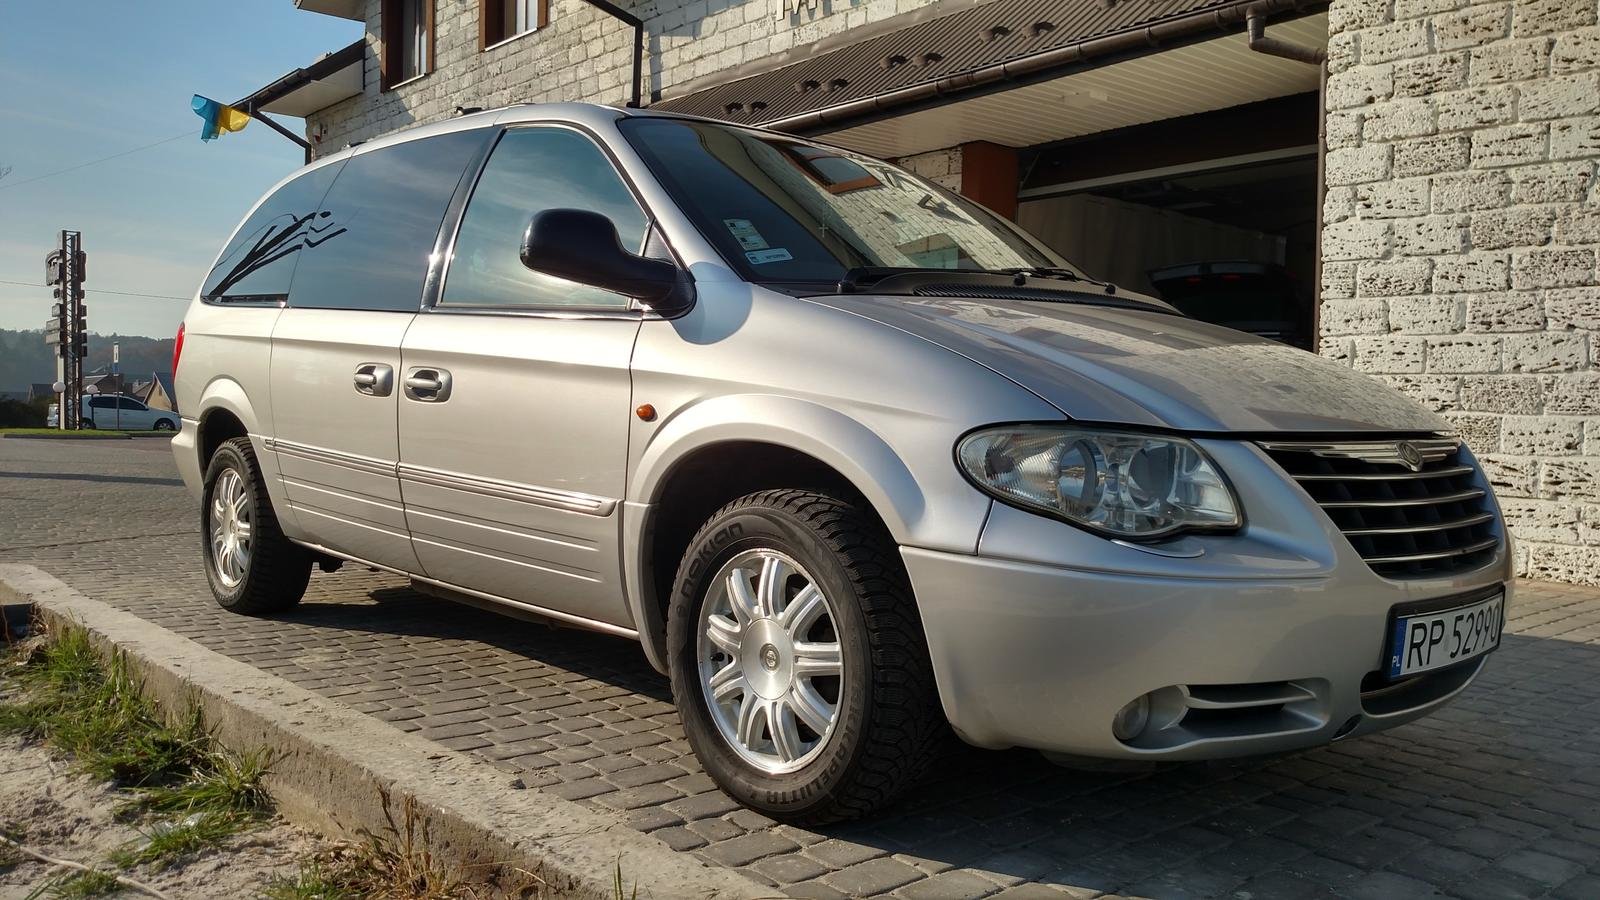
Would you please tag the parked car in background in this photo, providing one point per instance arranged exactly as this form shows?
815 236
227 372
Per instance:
120 412
853 458
1258 298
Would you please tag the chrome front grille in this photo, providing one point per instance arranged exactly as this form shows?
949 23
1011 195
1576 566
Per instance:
1412 509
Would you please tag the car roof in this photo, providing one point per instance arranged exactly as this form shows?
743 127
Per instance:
590 114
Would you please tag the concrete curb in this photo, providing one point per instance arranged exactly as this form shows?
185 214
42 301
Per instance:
339 768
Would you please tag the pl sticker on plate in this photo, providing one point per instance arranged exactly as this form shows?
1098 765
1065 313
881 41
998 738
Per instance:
746 234
761 257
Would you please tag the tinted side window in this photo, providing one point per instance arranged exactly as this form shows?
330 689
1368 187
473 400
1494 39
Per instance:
102 403
378 224
130 403
259 262
531 170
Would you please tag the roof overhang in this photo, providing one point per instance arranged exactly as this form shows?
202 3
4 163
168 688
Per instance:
1194 78
1023 72
354 10
336 76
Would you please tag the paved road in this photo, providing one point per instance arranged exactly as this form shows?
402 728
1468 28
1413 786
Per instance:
1498 796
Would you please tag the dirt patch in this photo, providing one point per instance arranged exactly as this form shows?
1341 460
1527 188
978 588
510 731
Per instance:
51 808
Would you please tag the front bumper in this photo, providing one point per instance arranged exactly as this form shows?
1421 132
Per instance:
1259 642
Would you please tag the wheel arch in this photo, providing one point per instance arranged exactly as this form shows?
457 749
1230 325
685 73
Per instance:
724 449
225 413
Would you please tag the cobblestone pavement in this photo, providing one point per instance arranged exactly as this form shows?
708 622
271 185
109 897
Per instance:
1497 796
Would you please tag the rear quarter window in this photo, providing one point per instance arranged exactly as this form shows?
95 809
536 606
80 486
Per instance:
258 263
376 228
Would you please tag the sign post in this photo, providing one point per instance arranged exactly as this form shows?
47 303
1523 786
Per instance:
68 330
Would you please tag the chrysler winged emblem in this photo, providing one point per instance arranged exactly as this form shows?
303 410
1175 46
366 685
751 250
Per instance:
1409 455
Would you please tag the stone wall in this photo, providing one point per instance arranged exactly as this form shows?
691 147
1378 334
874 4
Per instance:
1460 241
582 54
942 167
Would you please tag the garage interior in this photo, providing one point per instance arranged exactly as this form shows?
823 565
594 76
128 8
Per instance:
1214 212
1196 164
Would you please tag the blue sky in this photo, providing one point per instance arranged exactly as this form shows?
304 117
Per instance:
111 76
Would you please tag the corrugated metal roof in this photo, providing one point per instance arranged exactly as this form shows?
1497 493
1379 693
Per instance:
953 44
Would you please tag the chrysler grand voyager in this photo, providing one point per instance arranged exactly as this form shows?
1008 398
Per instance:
850 456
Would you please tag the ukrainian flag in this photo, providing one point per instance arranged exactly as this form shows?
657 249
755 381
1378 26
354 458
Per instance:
219 119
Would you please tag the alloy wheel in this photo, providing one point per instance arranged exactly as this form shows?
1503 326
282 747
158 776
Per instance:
230 528
770 663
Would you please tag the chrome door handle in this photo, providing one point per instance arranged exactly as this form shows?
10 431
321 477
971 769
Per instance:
428 385
374 379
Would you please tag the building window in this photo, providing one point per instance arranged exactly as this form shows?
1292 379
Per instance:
502 20
407 35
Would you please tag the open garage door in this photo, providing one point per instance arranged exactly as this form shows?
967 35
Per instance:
1216 213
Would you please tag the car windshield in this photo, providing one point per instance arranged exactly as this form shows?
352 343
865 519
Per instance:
783 210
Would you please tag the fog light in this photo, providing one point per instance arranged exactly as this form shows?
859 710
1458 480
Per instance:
1129 722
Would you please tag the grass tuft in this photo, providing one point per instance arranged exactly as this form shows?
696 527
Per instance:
316 880
218 783
91 706
94 710
82 885
617 891
380 869
169 842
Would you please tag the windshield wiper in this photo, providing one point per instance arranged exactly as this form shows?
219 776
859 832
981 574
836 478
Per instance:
898 279
856 279
1055 272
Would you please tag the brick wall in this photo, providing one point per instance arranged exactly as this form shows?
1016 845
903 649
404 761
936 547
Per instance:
1460 242
942 167
583 54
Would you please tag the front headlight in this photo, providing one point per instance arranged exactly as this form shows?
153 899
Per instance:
1121 484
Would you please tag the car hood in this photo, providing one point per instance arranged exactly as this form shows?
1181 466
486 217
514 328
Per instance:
1141 367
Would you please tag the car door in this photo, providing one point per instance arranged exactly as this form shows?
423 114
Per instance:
514 418
336 348
135 416
100 411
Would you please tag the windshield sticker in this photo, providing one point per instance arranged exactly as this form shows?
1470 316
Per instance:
761 257
746 234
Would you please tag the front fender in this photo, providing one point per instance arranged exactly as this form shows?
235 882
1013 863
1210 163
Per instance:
830 436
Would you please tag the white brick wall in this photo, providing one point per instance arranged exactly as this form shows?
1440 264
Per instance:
943 167
1461 240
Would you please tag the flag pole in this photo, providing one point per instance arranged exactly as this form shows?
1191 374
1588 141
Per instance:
263 119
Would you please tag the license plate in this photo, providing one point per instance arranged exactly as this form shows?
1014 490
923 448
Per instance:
1434 640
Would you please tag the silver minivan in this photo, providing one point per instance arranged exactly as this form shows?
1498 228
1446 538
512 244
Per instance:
856 461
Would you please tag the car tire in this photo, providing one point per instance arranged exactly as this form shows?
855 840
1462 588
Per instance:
260 571
165 425
884 725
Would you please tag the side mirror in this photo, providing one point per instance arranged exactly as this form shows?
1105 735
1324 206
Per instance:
583 246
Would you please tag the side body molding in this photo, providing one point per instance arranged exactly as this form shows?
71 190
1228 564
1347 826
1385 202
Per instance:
828 435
